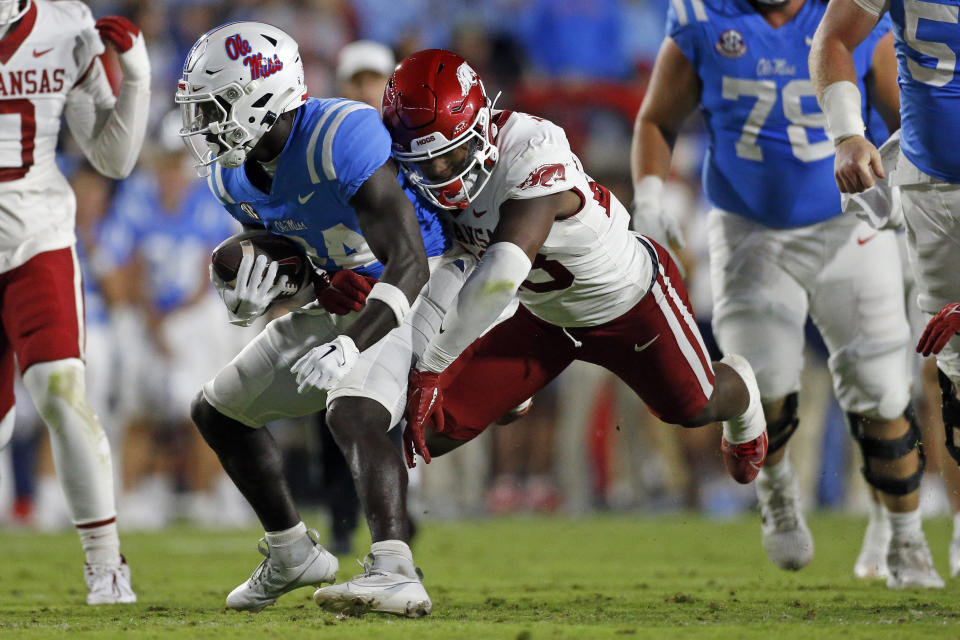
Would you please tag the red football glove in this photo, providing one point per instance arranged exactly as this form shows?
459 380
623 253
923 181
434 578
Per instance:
940 329
424 406
347 292
118 31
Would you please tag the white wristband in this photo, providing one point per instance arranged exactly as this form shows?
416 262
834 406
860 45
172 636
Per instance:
393 298
843 106
648 188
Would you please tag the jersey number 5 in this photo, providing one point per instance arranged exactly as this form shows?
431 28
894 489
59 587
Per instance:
946 60
766 93
28 131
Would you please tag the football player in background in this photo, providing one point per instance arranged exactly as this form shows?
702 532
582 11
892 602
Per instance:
520 206
779 248
51 69
318 171
927 168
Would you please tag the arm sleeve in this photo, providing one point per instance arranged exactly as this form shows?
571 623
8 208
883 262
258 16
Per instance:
354 147
874 7
484 296
109 130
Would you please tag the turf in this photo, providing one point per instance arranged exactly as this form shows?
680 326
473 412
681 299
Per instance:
523 579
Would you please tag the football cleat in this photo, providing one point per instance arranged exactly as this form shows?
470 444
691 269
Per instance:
376 590
744 460
270 580
108 584
872 561
911 566
786 537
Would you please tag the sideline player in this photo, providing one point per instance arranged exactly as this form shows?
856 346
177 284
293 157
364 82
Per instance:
51 69
318 171
927 168
780 248
519 203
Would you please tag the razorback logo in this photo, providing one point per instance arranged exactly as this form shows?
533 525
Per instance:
545 175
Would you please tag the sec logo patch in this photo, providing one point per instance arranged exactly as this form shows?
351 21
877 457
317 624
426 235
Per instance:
730 44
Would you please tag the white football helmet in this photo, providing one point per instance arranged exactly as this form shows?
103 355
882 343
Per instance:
237 80
13 10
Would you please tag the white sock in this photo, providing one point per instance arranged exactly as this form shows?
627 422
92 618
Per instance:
81 453
100 543
749 425
394 556
878 513
291 546
956 526
778 474
905 526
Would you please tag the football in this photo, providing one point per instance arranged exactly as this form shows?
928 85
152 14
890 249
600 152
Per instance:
291 256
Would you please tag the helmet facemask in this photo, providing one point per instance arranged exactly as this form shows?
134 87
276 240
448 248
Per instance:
468 178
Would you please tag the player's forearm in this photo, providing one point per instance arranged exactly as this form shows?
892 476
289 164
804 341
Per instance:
407 272
651 150
484 296
830 61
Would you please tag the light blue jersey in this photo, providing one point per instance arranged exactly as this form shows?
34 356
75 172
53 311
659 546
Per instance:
769 159
927 39
335 146
174 244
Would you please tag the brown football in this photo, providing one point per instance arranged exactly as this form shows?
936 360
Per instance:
291 256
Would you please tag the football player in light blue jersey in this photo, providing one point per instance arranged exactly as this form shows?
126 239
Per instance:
928 167
780 250
318 171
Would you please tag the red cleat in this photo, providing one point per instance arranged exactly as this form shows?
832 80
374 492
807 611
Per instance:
744 460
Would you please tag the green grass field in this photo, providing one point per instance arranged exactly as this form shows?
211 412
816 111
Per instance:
523 579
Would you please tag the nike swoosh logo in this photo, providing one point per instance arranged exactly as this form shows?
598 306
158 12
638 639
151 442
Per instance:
637 347
329 351
479 214
303 199
862 241
37 54
442 329
808 41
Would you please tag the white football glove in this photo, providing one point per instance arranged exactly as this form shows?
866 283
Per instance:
255 289
880 205
648 215
325 366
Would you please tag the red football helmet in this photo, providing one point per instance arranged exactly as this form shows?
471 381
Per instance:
434 104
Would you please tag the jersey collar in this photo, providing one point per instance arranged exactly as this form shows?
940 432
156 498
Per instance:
12 41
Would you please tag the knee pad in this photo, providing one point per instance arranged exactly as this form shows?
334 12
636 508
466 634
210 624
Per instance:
780 430
950 409
892 449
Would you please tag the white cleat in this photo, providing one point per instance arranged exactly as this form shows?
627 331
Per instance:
270 581
376 591
911 566
872 561
107 584
786 537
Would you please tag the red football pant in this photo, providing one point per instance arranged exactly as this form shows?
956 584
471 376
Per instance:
41 315
656 348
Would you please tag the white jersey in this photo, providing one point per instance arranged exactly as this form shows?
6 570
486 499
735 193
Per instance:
43 63
591 268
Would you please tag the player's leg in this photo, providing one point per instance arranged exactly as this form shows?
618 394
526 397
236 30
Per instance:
867 337
253 389
759 312
7 399
43 319
657 349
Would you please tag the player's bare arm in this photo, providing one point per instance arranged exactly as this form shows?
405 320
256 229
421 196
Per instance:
882 84
845 25
672 95
390 227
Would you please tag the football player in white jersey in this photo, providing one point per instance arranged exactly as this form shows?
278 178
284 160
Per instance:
51 69
927 168
520 205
